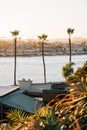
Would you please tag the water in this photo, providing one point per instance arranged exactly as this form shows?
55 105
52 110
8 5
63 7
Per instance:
32 68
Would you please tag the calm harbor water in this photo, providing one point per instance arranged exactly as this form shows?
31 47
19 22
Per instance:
32 68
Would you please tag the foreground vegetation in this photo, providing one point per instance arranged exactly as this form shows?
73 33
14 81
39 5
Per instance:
69 113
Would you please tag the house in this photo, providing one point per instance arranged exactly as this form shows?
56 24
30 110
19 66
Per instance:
28 96
15 97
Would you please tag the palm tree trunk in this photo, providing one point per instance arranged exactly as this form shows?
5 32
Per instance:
15 61
70 50
43 62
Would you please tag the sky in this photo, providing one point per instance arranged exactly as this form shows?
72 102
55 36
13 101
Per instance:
35 17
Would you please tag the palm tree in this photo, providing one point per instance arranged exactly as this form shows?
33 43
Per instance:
43 38
67 69
70 31
15 33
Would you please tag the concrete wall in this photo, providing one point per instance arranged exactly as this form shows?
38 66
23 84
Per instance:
34 87
24 83
41 86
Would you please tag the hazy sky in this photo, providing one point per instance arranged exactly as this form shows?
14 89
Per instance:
52 17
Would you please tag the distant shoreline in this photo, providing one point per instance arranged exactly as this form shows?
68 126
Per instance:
33 48
41 55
